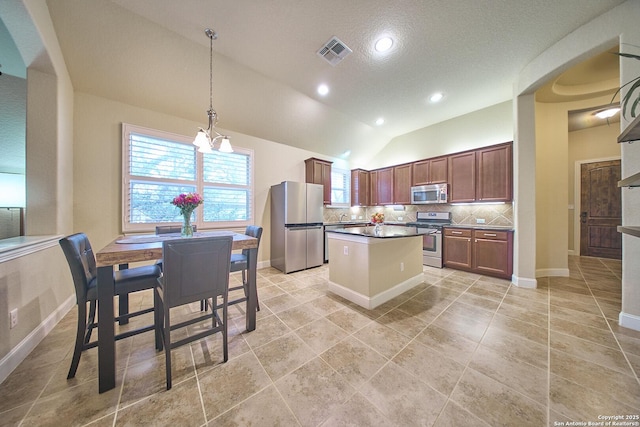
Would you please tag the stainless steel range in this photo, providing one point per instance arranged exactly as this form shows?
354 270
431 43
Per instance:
430 224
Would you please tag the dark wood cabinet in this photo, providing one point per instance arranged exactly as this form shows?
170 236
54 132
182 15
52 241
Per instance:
318 171
457 248
430 171
385 186
462 177
481 251
494 174
493 253
373 188
360 187
402 177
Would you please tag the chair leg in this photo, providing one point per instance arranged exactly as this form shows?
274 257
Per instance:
246 289
167 345
80 333
123 308
157 319
90 324
225 346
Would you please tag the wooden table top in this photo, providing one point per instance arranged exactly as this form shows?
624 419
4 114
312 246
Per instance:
121 253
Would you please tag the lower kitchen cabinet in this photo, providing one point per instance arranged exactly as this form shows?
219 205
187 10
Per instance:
457 248
482 251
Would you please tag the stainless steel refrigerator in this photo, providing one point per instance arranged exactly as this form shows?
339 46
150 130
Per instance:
296 226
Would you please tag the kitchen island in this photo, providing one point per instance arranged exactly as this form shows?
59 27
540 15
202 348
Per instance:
369 267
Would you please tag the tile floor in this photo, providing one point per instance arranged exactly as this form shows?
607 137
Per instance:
459 350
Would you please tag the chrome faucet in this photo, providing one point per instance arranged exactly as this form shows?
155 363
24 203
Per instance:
341 216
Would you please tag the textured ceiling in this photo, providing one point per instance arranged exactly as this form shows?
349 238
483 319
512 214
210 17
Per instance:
154 54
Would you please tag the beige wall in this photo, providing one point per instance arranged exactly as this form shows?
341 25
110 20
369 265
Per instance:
618 26
98 165
489 126
585 146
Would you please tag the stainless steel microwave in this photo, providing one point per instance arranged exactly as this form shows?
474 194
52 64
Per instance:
427 194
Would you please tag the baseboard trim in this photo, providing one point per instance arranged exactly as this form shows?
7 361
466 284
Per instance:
524 282
552 272
26 346
630 321
378 299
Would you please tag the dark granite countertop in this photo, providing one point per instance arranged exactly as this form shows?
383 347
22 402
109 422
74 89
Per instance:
384 232
482 227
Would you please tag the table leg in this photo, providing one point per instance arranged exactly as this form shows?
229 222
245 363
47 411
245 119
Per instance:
252 299
106 330
123 300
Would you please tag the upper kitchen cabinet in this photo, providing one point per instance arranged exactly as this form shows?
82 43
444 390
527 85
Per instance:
402 178
373 188
318 171
482 175
360 187
462 177
385 186
494 173
431 171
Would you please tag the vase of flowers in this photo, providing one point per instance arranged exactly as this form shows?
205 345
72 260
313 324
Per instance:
377 219
187 203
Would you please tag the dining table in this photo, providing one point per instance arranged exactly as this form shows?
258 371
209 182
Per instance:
140 248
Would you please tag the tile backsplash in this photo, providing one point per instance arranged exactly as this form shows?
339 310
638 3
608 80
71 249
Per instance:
493 214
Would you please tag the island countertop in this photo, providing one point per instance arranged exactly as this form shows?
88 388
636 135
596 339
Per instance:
385 231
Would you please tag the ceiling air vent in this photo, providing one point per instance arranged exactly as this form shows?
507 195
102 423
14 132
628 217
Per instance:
334 51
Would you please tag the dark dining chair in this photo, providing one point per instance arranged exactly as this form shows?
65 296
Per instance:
239 263
194 270
82 263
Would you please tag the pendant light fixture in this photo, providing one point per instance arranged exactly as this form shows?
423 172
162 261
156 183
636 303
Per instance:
205 139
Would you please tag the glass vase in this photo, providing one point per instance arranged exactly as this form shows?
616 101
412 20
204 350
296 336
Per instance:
377 228
187 228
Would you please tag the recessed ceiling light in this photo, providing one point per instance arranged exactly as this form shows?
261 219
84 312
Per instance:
436 97
323 89
346 154
384 44
609 112
380 121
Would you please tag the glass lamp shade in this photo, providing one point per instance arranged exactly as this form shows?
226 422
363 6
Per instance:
225 145
202 139
206 148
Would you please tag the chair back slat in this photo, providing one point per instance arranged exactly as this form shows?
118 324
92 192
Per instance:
196 269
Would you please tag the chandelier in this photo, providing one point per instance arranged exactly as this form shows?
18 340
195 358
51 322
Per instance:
205 139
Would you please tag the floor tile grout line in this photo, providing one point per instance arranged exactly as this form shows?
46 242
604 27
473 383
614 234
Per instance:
548 353
624 354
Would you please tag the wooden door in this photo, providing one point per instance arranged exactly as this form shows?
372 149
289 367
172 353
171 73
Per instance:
600 210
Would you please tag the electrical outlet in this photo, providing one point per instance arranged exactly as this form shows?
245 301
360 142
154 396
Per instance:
402 266
346 250
399 218
479 220
353 217
13 315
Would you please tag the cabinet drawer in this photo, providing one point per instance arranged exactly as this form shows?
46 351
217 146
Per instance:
457 232
490 234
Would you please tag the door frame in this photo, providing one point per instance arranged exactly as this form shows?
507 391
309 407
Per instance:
577 191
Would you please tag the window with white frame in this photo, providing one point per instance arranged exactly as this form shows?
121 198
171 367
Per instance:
340 187
157 166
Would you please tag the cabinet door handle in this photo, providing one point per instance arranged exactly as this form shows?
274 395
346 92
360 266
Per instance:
456 232
490 234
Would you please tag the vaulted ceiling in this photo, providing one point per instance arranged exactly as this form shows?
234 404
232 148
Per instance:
154 54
